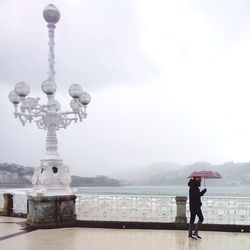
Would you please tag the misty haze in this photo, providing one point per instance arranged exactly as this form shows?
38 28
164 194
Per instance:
169 84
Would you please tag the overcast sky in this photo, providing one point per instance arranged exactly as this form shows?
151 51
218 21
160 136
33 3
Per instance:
169 80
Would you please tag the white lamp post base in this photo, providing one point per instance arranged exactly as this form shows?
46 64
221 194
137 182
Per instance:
51 178
51 211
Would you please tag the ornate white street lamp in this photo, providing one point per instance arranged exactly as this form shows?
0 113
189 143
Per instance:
52 177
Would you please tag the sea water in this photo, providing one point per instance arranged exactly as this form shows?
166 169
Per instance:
165 191
154 191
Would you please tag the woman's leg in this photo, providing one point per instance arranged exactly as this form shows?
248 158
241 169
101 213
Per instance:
191 224
198 225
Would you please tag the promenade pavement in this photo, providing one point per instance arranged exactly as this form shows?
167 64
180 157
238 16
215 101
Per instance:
13 236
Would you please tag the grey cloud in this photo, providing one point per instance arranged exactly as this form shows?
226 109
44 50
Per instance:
229 18
97 43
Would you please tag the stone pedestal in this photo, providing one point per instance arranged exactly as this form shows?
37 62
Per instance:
181 217
8 204
51 211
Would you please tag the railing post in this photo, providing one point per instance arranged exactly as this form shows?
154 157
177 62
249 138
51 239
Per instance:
181 217
8 204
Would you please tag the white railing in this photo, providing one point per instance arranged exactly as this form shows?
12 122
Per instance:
1 201
216 210
126 208
20 203
226 210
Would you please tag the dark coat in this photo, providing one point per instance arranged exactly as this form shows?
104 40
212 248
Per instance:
195 195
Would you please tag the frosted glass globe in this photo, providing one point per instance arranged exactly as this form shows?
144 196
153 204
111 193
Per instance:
75 105
49 87
51 14
22 89
14 98
84 98
75 90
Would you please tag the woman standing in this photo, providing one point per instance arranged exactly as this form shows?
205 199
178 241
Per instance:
195 206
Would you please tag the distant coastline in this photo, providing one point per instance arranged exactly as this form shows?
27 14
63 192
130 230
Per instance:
155 175
16 176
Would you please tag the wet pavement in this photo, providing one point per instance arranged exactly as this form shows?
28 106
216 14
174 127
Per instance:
13 236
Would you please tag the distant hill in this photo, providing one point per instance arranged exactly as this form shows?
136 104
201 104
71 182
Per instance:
233 174
98 181
16 176
142 173
158 174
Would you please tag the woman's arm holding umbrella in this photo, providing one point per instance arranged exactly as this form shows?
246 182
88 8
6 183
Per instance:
203 192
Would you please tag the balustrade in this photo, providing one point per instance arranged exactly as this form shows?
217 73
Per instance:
20 203
216 210
226 210
1 201
126 208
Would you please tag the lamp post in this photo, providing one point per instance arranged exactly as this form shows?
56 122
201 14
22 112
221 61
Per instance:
52 178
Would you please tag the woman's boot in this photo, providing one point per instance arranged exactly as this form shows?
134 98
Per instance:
196 230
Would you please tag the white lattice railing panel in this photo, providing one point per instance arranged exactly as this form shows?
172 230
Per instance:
226 210
1 201
126 208
20 203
